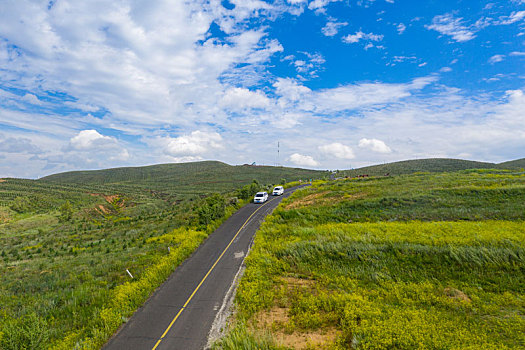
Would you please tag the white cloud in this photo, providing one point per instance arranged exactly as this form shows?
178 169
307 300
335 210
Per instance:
447 24
514 17
332 28
290 89
87 140
354 38
366 94
30 98
302 160
517 53
241 98
306 64
18 145
319 5
401 28
496 59
374 145
135 54
338 150
197 143
454 27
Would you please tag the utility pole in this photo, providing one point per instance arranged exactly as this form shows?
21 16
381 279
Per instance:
278 153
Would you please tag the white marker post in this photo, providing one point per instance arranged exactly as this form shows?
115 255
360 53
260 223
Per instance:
129 273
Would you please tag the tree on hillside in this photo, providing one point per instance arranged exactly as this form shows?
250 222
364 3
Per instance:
213 208
66 211
248 191
20 204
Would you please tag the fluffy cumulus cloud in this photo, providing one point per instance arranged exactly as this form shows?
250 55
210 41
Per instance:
241 98
337 150
303 160
194 145
136 54
88 140
374 145
95 148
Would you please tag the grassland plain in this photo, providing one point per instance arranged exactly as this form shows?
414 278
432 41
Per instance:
422 261
65 248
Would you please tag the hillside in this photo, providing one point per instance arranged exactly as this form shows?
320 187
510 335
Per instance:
184 178
421 261
513 164
427 165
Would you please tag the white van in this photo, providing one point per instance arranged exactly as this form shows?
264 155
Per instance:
260 197
278 191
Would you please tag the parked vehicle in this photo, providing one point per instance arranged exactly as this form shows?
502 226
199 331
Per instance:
260 197
278 191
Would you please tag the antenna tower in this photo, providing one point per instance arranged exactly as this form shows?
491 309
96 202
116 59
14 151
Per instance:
278 151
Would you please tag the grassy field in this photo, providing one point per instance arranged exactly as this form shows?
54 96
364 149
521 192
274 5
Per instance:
65 246
423 261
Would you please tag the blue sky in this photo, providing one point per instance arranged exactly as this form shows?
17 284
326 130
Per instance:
339 84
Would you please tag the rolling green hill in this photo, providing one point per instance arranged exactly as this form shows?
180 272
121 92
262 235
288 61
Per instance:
515 164
184 178
429 165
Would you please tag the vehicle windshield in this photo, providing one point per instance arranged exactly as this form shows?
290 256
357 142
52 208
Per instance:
259 195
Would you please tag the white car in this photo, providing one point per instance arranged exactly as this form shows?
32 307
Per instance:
278 191
260 197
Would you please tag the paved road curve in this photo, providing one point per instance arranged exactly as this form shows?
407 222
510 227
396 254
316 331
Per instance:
180 313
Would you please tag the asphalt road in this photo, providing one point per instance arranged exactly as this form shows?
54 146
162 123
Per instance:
179 315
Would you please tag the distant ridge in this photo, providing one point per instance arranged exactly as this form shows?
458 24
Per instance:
513 164
430 165
194 177
213 176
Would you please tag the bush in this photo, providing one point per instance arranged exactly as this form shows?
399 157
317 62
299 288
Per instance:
248 191
213 208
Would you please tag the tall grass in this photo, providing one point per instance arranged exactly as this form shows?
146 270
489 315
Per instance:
426 261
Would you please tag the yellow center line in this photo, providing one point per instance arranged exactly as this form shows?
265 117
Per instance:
206 276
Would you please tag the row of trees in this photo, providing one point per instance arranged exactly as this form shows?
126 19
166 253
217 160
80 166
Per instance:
214 206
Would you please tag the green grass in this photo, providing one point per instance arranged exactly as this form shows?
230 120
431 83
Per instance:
63 274
424 261
63 281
